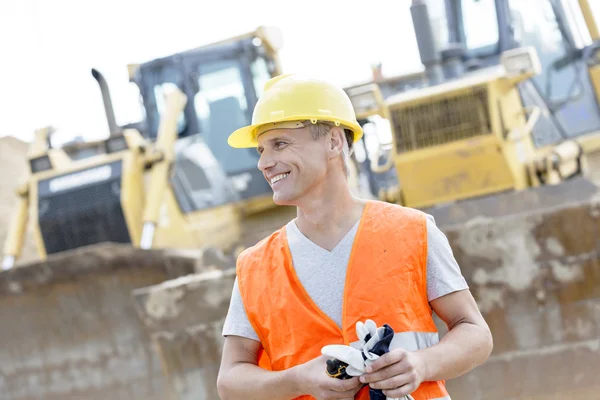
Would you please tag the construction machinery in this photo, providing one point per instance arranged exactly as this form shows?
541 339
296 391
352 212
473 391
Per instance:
170 181
504 105
128 212
499 139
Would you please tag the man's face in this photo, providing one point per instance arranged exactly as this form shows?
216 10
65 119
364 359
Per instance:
292 162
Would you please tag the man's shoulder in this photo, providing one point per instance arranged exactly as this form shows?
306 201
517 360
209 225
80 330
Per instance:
394 210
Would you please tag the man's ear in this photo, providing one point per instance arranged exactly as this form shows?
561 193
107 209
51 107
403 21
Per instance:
336 141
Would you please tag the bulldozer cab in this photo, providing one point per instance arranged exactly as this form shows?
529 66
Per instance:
567 54
498 94
222 84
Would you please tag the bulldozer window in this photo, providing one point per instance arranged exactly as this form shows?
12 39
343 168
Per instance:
221 107
479 23
260 75
535 24
566 90
198 180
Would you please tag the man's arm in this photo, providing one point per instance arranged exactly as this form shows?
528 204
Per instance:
467 344
469 341
241 378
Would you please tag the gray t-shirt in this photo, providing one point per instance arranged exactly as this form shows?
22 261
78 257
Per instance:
323 274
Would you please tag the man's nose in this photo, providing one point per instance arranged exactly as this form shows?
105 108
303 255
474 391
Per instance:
265 161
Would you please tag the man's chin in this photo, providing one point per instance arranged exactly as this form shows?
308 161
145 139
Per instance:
281 199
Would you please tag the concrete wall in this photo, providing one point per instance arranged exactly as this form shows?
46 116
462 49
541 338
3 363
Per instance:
69 329
184 318
536 278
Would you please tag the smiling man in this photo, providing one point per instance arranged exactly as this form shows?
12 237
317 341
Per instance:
340 261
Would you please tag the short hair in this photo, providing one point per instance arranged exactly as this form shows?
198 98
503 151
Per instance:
322 128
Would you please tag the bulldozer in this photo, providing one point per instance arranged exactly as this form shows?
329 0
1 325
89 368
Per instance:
518 111
498 138
160 182
156 200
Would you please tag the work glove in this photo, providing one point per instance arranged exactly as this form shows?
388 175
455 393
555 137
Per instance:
350 361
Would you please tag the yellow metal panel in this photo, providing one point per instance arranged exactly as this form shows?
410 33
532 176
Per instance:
511 109
453 171
34 215
590 159
171 227
218 226
590 143
132 194
257 204
17 228
595 77
165 143
588 16
518 152
494 94
39 146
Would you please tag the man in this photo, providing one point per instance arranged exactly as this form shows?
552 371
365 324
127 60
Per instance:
340 261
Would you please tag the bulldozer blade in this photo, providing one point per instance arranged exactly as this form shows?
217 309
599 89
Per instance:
532 262
184 318
502 205
70 329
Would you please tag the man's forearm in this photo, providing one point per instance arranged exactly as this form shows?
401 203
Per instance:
463 348
246 381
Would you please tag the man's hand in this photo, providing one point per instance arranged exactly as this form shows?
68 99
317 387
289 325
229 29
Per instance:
312 379
241 379
398 373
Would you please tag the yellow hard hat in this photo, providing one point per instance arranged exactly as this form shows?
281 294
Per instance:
288 99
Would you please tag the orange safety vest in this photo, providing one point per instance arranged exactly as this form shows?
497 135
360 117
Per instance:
385 281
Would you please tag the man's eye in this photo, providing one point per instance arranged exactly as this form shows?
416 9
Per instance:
279 144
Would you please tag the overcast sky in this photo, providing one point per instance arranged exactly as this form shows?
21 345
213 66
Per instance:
49 46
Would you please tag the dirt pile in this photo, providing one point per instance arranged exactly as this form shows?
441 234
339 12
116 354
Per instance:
13 167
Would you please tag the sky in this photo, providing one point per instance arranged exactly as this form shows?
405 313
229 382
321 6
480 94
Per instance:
48 48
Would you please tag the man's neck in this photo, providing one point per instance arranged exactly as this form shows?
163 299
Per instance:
327 217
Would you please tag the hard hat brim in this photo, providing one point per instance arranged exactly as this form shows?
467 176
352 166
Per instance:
246 137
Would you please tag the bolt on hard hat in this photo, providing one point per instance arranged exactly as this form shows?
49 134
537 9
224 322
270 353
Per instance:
289 99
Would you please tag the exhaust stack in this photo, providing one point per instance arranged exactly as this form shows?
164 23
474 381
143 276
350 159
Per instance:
430 56
108 107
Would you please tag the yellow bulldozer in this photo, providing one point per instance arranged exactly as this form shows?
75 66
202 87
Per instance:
499 139
500 108
128 212
166 182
